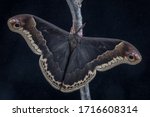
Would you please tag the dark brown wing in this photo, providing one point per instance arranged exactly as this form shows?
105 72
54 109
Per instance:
90 55
46 40
55 52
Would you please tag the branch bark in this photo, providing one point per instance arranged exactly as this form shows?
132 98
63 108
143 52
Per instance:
75 9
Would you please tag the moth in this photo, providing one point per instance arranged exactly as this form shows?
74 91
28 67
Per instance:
69 61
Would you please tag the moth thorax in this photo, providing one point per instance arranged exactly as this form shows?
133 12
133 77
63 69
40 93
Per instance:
73 42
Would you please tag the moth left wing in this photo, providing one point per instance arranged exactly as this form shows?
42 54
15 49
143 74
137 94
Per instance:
46 40
55 53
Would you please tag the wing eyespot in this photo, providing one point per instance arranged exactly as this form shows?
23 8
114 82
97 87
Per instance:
16 25
131 58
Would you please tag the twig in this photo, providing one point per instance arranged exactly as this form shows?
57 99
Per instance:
75 8
85 93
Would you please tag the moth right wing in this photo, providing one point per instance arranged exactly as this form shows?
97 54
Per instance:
89 55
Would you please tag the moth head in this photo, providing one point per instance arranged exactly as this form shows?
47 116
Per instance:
131 55
20 22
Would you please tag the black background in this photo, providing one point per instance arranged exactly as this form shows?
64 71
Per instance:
20 75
